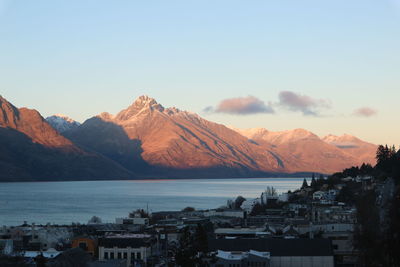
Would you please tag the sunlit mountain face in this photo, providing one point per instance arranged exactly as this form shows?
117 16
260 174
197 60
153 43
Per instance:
149 140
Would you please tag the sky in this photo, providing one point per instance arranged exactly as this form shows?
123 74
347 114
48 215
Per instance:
331 67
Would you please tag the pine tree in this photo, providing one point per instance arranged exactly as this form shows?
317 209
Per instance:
305 184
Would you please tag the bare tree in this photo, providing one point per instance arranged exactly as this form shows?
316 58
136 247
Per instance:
271 191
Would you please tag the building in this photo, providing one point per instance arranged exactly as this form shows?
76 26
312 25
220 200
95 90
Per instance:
248 205
240 232
319 195
135 250
132 221
225 213
283 252
86 244
71 257
242 259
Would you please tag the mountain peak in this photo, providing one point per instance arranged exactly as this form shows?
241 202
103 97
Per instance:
141 104
145 101
62 123
64 117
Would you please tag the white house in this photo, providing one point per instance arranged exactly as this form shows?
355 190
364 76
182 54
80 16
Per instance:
319 195
133 250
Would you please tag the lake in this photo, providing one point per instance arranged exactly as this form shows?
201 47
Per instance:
67 202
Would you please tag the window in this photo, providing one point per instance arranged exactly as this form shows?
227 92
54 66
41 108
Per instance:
138 256
125 255
112 255
106 255
132 256
119 255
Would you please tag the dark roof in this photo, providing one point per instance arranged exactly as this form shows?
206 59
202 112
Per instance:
71 257
123 242
277 247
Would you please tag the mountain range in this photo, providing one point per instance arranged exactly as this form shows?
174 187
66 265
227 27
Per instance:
147 140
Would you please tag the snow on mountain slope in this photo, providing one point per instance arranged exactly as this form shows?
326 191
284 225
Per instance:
307 151
350 144
176 139
62 123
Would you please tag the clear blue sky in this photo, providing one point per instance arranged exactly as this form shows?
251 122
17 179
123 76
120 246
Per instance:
81 58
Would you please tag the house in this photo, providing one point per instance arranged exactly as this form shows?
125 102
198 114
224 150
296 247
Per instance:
133 249
319 195
132 221
48 254
239 259
86 244
248 205
71 257
283 252
290 231
240 232
224 213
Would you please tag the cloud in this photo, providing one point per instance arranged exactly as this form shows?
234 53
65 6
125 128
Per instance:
303 103
241 106
365 112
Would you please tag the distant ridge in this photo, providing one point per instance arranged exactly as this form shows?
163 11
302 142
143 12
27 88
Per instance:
62 123
147 140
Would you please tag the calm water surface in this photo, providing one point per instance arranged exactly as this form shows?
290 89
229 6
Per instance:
66 202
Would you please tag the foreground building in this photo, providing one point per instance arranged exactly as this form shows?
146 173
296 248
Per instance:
251 258
283 252
135 250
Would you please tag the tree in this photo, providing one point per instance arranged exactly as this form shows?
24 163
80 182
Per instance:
366 169
238 202
40 260
393 233
305 185
94 220
367 236
345 195
257 209
188 209
140 212
313 182
190 244
200 239
186 254
271 191
385 156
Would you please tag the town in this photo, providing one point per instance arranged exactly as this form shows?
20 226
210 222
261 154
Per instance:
330 221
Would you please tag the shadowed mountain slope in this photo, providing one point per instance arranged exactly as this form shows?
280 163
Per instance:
147 140
32 150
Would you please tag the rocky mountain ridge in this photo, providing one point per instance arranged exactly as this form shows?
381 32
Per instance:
149 140
62 123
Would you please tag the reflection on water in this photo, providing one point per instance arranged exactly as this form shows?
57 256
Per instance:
66 202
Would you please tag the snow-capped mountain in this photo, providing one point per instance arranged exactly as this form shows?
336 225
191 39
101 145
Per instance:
350 144
173 140
149 140
308 151
181 140
62 123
